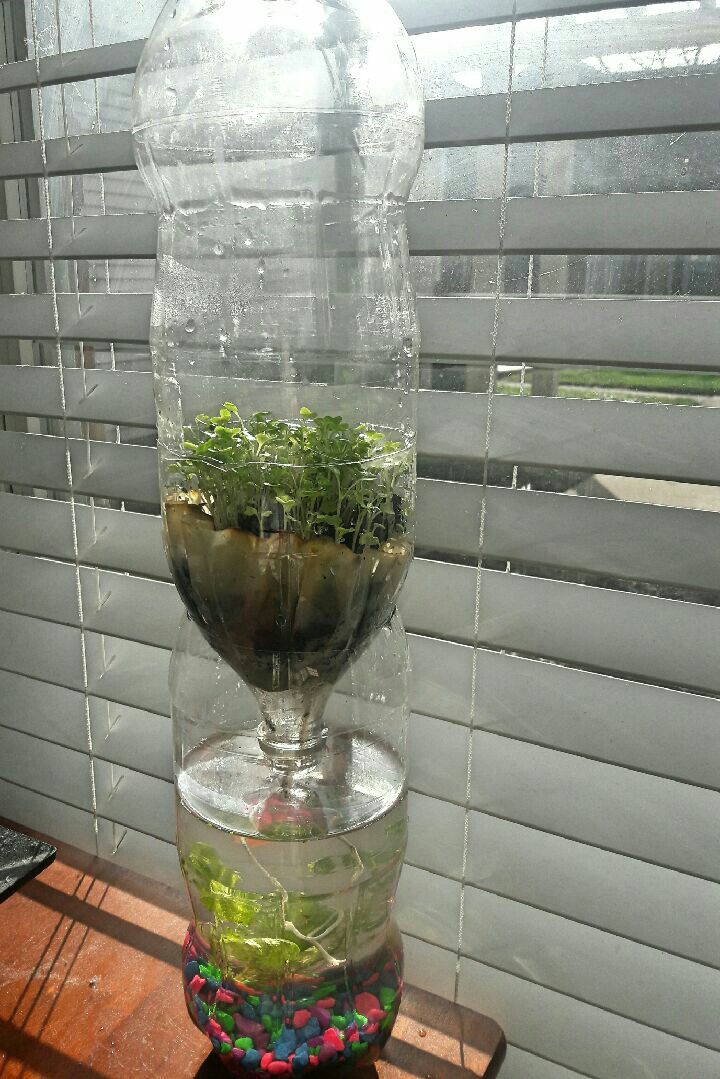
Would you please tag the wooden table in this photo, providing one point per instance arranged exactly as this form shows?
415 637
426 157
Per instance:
90 988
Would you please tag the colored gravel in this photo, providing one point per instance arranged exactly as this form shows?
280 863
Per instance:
308 1027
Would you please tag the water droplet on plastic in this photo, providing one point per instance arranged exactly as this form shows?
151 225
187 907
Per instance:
171 94
190 326
218 248
223 337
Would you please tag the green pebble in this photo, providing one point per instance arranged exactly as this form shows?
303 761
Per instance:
327 990
244 1043
305 1002
209 971
314 1051
224 1047
387 996
226 1021
339 1021
254 1001
359 1047
267 1022
387 1022
361 1020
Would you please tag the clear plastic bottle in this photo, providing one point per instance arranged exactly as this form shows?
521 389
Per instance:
280 139
293 951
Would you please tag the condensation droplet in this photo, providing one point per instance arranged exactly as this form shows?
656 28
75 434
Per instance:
190 326
223 336
218 248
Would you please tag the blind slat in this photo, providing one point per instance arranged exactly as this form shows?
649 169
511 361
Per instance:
627 540
121 58
601 1044
47 815
657 222
602 536
587 714
542 329
593 965
45 766
625 812
523 614
47 711
636 107
670 910
540 617
668 442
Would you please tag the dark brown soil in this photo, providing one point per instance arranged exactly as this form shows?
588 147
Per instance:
279 609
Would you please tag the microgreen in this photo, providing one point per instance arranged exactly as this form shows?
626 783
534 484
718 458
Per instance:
317 477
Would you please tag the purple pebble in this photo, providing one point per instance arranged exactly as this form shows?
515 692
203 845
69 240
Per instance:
327 1053
237 1054
247 1028
322 1015
315 1041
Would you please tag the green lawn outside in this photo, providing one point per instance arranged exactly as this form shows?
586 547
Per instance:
603 395
670 381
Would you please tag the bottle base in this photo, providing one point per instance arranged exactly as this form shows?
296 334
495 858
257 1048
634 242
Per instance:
340 1018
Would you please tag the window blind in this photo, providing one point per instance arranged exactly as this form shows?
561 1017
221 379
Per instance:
563 872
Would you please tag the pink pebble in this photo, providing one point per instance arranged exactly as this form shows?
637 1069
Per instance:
322 1015
314 1061
326 1002
223 997
267 1059
374 1013
237 1054
366 1003
213 1029
371 1028
279 1067
332 1038
372 979
301 1018
196 985
353 1037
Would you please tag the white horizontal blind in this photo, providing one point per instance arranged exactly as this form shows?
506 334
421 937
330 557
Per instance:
564 865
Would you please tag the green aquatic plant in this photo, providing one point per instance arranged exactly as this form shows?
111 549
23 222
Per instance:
319 477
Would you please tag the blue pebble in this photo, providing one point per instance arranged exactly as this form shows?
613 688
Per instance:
191 968
312 1029
368 1037
288 1037
248 1011
213 985
301 1059
251 1060
215 1043
281 1050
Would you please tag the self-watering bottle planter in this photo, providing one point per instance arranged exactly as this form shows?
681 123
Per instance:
280 139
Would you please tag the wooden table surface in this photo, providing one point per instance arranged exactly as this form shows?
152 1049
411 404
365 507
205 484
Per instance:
90 988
